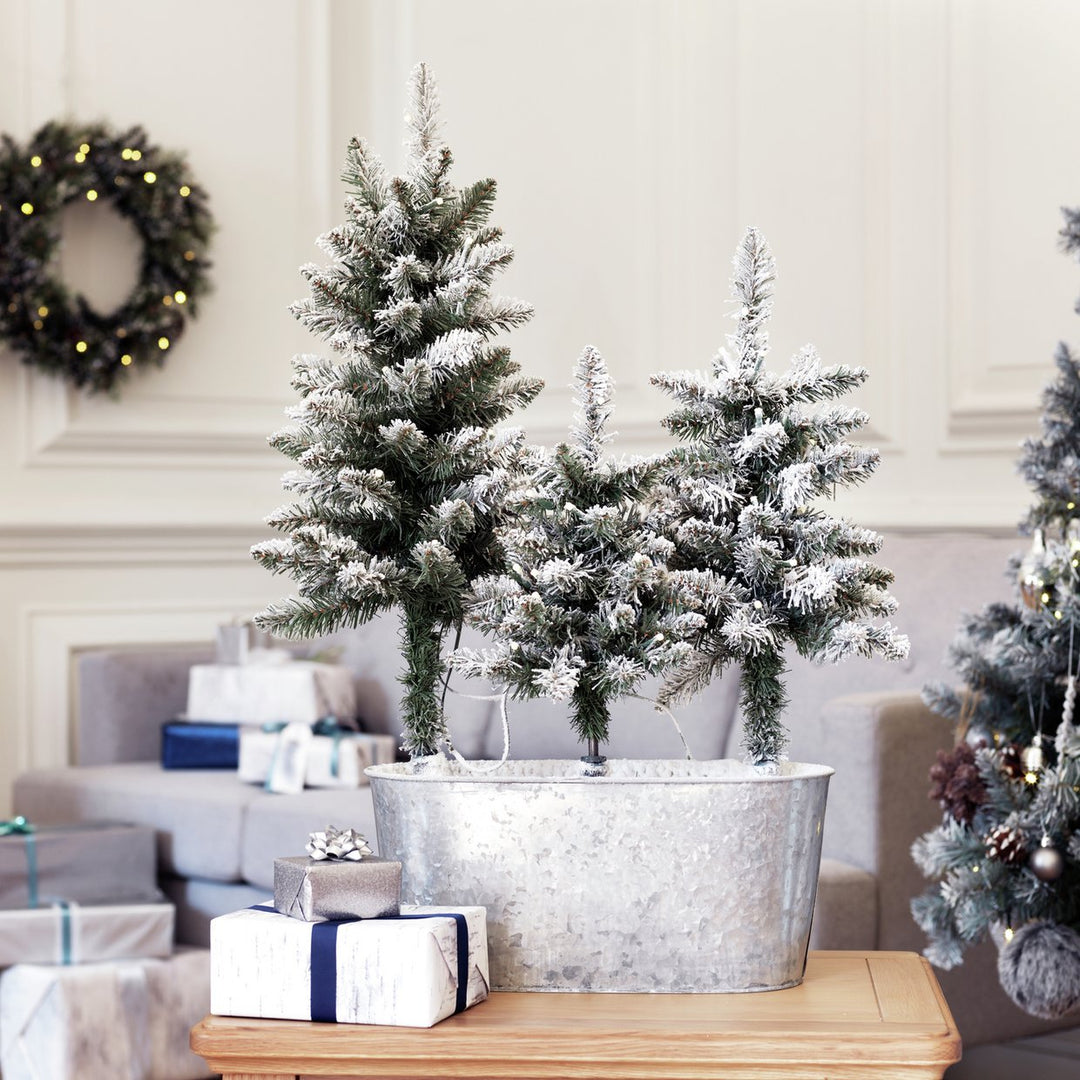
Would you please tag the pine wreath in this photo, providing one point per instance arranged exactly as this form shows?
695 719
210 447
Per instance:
59 332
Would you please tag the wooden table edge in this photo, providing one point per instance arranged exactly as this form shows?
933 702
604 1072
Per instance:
915 1049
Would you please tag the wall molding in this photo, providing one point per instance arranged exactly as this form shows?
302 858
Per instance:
41 547
992 399
62 428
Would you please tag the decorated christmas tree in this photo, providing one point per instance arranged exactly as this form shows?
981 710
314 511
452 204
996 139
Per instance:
587 607
767 566
402 473
1005 860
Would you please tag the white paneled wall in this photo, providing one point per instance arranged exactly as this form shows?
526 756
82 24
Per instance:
906 158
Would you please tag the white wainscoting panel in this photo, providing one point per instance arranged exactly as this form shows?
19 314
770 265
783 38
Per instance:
905 158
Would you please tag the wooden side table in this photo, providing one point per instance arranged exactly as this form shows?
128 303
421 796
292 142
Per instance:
857 1014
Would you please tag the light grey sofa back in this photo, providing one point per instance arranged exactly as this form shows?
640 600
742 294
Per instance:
123 697
125 694
939 576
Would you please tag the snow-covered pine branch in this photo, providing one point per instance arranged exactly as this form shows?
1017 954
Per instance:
752 286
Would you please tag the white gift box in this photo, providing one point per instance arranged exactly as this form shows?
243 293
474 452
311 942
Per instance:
68 933
405 971
121 1018
300 690
328 762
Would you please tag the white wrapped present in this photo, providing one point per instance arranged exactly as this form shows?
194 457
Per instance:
121 1018
410 970
69 933
300 690
326 761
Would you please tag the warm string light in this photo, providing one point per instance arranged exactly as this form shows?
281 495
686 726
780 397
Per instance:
1008 935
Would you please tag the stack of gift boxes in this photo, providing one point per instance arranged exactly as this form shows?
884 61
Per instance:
91 986
336 945
283 723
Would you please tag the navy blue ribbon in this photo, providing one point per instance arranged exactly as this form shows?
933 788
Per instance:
324 960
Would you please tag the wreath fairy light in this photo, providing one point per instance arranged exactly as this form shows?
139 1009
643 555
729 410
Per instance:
58 331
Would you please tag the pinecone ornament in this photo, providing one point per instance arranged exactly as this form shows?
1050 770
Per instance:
956 783
1006 844
1010 762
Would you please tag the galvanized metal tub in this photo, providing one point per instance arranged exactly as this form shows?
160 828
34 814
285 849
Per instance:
667 876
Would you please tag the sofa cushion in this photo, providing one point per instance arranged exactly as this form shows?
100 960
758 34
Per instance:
198 901
276 825
198 814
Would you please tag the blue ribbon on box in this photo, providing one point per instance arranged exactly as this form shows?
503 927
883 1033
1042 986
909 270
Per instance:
324 960
19 826
329 725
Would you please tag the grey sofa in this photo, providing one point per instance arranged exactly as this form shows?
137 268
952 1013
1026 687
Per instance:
218 837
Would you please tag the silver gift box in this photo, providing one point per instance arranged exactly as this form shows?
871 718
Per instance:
78 934
333 889
89 864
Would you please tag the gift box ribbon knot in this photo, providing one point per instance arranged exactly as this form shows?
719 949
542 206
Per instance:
328 725
324 959
19 826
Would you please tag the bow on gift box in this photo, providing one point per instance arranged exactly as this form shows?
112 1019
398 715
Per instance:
336 843
19 826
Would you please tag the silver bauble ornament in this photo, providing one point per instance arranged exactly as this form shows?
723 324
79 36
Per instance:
1033 758
1033 575
1047 863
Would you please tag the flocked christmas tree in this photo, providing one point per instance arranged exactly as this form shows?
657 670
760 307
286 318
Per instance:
402 473
1005 860
768 567
587 607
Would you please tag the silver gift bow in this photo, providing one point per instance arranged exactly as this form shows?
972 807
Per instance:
337 844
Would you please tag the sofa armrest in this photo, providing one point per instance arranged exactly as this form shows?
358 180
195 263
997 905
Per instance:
882 745
846 911
123 696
